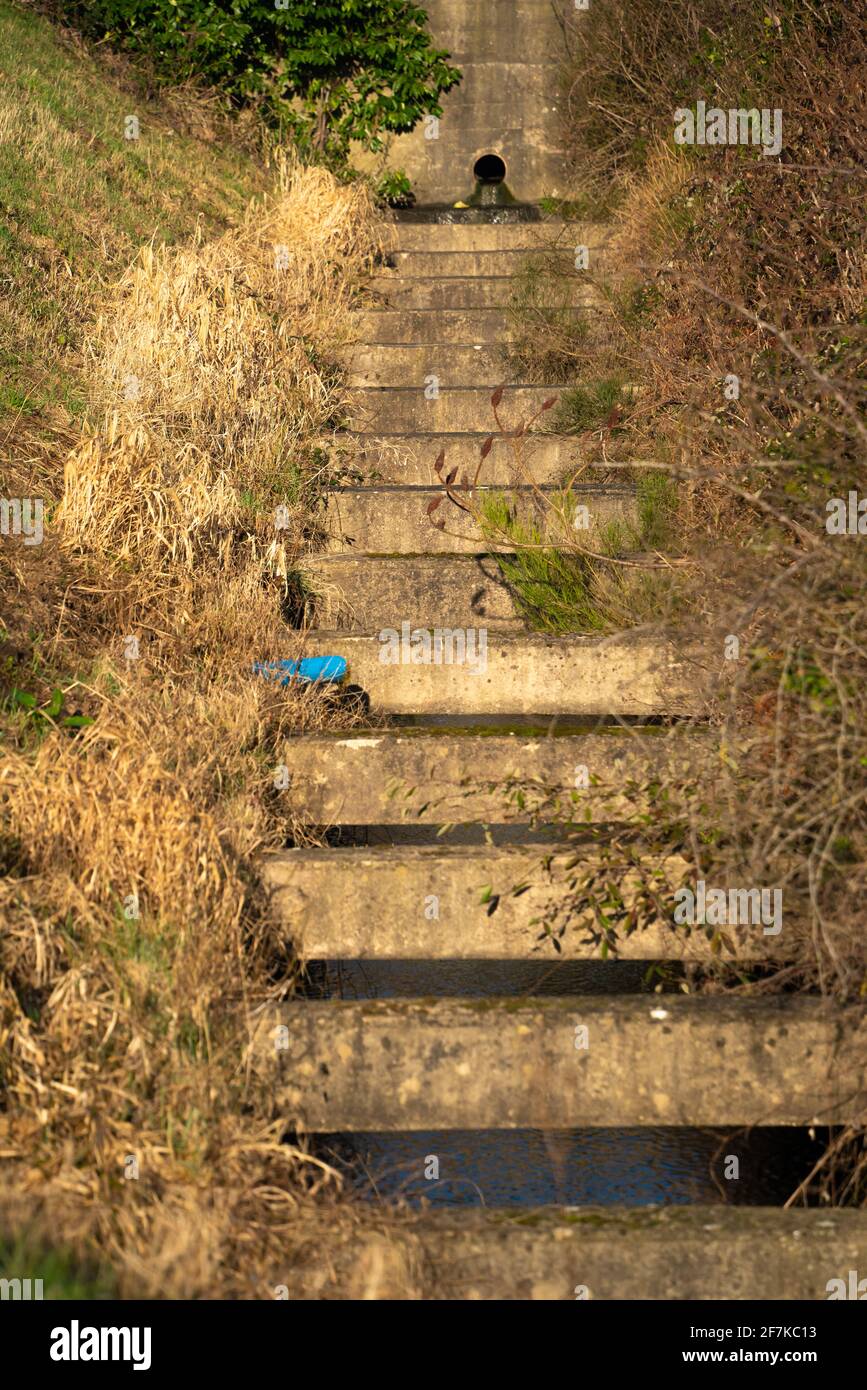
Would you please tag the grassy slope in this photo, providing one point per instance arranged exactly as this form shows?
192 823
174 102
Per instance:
78 199
121 1031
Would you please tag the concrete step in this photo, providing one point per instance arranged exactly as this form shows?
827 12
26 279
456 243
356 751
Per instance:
386 778
477 673
402 364
362 593
473 292
407 410
524 1063
420 326
409 458
390 520
408 902
492 236
560 260
673 1253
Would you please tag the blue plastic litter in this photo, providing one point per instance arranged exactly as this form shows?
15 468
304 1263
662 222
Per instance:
312 669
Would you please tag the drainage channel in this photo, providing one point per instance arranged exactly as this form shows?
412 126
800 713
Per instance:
528 1168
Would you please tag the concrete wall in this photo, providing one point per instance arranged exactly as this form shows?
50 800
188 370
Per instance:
509 52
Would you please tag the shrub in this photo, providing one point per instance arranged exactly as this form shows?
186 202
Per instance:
333 71
746 331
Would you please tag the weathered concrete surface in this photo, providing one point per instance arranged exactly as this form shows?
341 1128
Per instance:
489 327
472 292
621 675
436 328
376 904
506 103
407 410
660 1253
485 34
385 778
409 458
391 520
402 235
402 364
558 260
513 1063
362 593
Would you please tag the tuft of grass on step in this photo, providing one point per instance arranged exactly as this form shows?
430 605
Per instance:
588 205
656 500
560 590
547 329
588 406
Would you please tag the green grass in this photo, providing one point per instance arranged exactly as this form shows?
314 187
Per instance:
591 205
588 406
656 498
78 199
64 1275
562 591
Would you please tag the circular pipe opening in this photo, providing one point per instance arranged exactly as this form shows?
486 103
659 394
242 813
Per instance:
489 169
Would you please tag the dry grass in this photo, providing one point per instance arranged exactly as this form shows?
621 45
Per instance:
79 199
136 949
221 351
727 264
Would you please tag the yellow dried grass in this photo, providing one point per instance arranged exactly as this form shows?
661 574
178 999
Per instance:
126 1034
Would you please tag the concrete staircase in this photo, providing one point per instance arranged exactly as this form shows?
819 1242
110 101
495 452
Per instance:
428 1064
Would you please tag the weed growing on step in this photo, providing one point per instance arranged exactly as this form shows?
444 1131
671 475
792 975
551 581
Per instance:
567 577
592 405
559 590
547 327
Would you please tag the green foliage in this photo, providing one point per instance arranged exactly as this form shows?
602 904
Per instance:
656 499
65 1274
588 407
394 189
562 591
44 716
553 589
331 71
